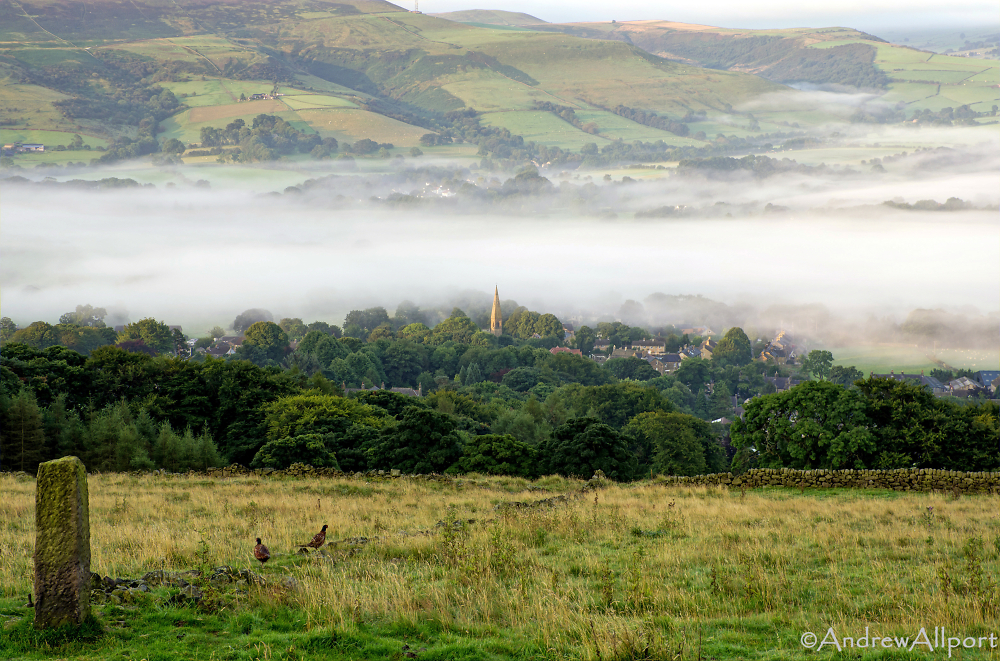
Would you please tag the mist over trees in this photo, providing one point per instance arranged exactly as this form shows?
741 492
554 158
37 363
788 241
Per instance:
491 404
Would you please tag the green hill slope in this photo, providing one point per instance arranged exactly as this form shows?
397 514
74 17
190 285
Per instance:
824 56
491 17
107 69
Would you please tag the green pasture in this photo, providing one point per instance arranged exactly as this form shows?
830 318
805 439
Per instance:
977 98
909 92
889 54
852 155
160 49
614 126
350 125
972 359
543 128
189 132
738 128
29 162
488 91
200 93
312 83
374 32
44 57
934 76
308 101
248 87
49 138
883 359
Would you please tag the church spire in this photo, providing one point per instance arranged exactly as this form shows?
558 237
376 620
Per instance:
496 318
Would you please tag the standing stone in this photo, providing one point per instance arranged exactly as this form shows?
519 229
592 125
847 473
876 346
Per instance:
62 544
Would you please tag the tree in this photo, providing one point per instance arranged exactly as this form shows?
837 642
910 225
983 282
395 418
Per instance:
473 375
676 447
23 440
217 332
495 454
615 404
38 334
633 368
585 339
267 336
85 315
733 348
846 376
173 146
816 424
366 320
295 415
403 362
249 317
325 347
294 328
7 328
154 334
457 327
304 449
583 446
424 441
818 363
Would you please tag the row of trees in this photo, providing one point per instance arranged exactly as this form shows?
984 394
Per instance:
121 410
874 423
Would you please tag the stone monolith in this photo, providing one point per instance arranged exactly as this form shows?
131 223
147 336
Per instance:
62 544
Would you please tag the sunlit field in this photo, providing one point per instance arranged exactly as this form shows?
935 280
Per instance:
633 571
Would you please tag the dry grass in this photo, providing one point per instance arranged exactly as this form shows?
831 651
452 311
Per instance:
233 110
626 567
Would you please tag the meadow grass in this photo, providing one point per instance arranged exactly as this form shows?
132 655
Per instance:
632 571
351 125
882 359
973 359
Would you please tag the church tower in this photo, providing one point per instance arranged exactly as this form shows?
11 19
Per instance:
496 318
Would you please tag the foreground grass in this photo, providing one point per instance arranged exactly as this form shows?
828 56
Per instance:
622 572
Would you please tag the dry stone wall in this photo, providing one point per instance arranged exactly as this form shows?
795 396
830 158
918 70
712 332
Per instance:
903 479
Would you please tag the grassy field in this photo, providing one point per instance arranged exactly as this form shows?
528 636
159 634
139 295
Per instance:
544 128
972 359
349 125
883 359
640 571
441 65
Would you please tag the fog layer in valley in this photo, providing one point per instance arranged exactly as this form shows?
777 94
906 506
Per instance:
576 240
201 258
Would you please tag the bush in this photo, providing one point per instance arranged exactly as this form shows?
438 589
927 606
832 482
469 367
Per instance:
304 449
424 441
585 445
495 454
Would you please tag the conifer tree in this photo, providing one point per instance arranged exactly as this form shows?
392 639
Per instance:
473 375
23 437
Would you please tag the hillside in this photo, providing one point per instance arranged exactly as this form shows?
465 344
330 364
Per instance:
825 56
131 76
491 17
350 70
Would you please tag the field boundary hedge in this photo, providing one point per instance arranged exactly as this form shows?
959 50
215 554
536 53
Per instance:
903 479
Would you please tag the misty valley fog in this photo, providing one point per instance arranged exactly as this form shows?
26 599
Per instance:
316 240
198 257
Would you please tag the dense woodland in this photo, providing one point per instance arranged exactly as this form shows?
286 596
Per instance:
138 399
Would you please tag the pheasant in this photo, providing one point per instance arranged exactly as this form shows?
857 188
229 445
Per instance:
261 553
317 541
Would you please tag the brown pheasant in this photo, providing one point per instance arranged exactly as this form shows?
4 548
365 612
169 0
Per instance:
317 541
261 553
